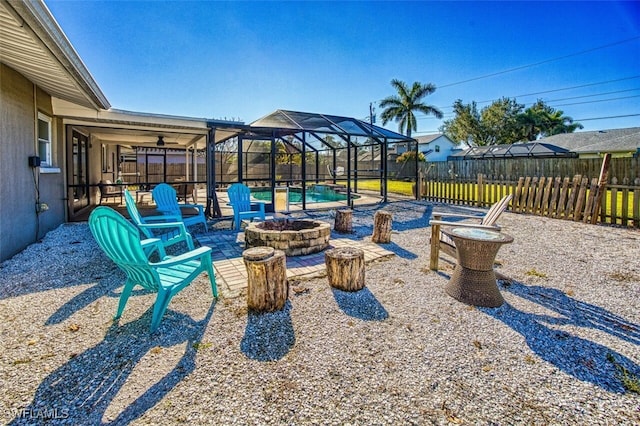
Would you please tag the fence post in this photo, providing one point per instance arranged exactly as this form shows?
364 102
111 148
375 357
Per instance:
636 203
435 243
602 186
614 201
480 202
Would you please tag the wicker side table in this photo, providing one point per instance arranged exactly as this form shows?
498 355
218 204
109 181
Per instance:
473 280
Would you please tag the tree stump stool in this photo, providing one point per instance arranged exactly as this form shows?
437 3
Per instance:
343 221
381 227
266 279
345 268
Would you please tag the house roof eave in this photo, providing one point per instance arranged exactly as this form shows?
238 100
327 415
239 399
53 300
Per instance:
35 25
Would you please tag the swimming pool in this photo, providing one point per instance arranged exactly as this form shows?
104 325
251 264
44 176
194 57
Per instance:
314 194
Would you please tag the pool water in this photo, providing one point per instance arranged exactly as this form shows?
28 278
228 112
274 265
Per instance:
295 195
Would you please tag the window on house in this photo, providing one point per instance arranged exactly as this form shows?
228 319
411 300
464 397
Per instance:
44 140
437 148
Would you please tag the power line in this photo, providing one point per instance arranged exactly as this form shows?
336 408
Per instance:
544 62
606 118
558 90
575 120
543 92
539 63
595 94
553 100
448 115
599 100
574 103
580 86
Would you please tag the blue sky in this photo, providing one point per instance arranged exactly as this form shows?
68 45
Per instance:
243 60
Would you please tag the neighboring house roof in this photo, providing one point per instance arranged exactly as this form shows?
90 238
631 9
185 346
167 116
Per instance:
530 149
613 140
429 143
427 139
32 43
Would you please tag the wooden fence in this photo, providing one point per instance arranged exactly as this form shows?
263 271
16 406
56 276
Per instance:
578 198
627 168
159 172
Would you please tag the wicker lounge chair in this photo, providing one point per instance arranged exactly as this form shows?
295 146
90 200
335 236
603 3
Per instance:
441 242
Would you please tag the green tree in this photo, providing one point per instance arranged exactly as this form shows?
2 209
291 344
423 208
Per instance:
466 126
505 122
540 120
563 124
495 124
531 122
401 107
500 122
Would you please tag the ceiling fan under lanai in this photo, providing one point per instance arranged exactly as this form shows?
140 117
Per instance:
161 142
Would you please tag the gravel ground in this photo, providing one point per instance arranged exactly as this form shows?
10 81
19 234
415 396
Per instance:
400 351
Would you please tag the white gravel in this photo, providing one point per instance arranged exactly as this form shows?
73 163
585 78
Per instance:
400 351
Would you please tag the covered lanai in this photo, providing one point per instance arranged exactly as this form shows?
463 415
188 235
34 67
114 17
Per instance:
306 153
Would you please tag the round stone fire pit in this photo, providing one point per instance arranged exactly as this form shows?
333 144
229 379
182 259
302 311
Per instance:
294 237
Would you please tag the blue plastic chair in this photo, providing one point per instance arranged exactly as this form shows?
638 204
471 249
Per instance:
170 229
120 240
166 200
243 208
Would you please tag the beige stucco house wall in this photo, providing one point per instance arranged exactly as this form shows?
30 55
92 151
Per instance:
37 64
20 223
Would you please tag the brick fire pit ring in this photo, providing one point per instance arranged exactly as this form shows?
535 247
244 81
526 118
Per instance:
295 237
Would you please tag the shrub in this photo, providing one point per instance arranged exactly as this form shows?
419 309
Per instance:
410 155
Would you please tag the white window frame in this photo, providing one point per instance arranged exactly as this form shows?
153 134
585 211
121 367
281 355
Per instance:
45 160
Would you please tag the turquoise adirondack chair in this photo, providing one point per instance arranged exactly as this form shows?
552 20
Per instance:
166 200
243 208
170 229
120 240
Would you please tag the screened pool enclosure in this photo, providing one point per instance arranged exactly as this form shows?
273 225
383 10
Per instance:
315 158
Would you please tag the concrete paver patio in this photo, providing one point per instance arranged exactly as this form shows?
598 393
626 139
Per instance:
231 275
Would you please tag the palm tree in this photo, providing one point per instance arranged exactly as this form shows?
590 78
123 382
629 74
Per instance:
559 123
541 119
401 107
531 121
